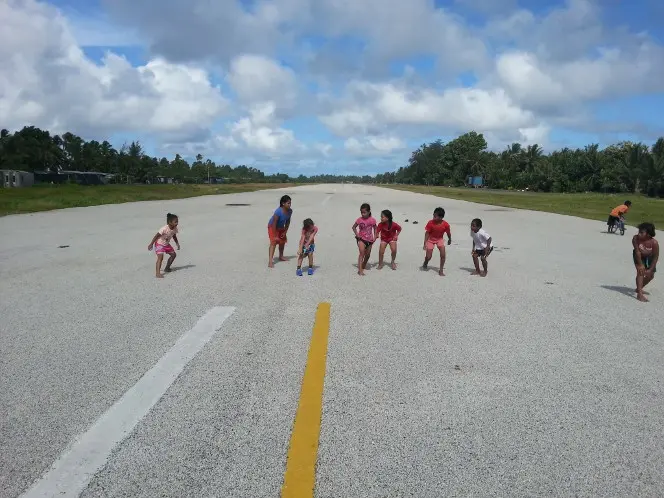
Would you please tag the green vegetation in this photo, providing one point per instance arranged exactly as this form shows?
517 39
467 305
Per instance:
47 197
591 206
624 167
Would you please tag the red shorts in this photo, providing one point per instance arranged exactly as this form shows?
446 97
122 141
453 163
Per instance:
167 249
387 241
277 235
435 243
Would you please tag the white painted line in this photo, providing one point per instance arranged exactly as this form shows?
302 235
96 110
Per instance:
87 453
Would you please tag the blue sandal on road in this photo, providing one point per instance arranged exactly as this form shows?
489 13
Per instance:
310 271
299 272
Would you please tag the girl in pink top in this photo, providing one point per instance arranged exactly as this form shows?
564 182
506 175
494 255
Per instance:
162 243
364 230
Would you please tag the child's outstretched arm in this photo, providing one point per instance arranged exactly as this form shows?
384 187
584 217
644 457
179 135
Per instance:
426 238
488 248
637 256
655 256
175 238
154 239
300 244
449 236
354 229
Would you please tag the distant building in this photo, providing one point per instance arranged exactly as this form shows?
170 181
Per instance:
80 177
475 181
15 178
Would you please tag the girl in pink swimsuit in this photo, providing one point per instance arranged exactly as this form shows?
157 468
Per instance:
645 255
162 243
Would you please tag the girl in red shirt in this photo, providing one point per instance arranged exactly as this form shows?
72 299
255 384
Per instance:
433 237
388 232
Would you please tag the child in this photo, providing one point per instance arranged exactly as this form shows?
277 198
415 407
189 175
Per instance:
365 236
162 243
306 246
645 254
433 236
389 233
277 228
482 247
618 214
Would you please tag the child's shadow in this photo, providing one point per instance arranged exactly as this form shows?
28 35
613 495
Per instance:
368 267
622 289
287 258
469 270
183 267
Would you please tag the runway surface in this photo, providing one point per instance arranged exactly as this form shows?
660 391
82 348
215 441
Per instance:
545 378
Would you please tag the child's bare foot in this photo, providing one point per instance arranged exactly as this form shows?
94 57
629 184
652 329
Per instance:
380 266
159 275
394 266
483 274
281 258
361 273
441 273
168 270
270 265
475 273
642 298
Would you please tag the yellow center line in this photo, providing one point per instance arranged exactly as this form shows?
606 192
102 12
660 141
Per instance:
300 476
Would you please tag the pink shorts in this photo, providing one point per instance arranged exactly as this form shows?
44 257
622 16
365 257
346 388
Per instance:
435 243
168 249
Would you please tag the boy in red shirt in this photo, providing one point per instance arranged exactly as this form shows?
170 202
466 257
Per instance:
433 236
388 231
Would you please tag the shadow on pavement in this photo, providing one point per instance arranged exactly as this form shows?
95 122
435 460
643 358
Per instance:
622 289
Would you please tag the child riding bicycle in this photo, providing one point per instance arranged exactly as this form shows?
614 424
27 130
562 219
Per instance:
617 216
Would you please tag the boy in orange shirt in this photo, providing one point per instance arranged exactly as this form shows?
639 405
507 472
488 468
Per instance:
618 214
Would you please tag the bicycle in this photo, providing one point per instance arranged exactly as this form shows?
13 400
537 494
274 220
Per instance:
617 224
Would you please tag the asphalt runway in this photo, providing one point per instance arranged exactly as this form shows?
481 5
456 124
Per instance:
545 378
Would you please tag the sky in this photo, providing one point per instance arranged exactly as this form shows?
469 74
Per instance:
333 86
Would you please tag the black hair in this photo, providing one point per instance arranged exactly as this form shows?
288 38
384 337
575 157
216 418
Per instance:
367 207
649 228
170 217
388 214
628 203
284 199
307 223
439 211
477 222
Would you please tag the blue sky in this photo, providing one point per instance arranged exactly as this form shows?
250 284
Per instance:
306 86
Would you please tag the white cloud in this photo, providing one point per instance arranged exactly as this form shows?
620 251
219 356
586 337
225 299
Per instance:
614 73
374 145
259 79
54 85
334 60
371 108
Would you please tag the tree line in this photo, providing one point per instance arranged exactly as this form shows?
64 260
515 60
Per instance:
623 167
32 149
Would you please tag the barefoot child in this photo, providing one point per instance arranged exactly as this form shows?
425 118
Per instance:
162 243
365 236
645 254
482 247
433 237
388 231
277 228
306 246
